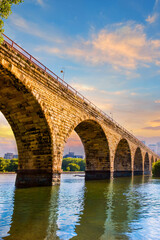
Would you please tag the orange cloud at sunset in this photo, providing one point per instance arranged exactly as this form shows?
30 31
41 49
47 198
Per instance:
124 46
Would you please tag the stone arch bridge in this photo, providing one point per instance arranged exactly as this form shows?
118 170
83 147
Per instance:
43 111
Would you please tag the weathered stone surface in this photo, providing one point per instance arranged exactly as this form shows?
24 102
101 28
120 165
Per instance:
42 113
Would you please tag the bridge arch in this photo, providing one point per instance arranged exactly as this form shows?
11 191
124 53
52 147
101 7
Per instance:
96 149
146 163
122 159
138 162
30 127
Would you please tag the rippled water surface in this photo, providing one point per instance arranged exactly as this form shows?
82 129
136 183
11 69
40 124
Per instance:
122 208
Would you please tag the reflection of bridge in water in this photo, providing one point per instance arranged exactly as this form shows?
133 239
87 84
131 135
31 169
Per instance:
43 110
102 210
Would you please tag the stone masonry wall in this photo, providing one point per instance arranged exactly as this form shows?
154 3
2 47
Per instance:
43 113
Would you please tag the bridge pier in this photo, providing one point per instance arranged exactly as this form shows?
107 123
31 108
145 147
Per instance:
36 178
147 172
122 174
137 173
97 175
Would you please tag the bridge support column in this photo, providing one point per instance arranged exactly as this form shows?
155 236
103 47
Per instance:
137 173
96 175
122 174
147 170
36 178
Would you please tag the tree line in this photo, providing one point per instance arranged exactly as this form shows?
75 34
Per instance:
73 164
68 164
7 165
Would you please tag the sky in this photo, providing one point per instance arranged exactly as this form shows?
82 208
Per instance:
109 51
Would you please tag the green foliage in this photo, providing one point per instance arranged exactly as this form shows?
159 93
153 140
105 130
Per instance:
67 164
156 169
7 165
67 168
5 11
74 167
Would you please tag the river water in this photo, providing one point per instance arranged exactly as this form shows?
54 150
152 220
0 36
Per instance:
121 208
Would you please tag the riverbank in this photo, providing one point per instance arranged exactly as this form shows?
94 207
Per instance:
7 172
73 172
68 172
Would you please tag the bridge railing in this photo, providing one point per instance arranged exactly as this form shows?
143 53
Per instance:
34 61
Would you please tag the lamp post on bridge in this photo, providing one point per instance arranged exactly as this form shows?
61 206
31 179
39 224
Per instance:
63 72
111 114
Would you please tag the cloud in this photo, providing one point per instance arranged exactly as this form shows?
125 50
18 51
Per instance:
81 87
155 121
87 88
124 47
152 128
7 145
152 18
32 29
40 2
157 101
5 131
134 94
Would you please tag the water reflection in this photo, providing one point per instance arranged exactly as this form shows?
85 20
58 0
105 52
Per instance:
48 213
121 208
6 202
91 224
70 205
31 213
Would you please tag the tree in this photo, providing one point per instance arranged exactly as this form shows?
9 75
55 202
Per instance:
156 169
12 166
78 161
74 167
5 11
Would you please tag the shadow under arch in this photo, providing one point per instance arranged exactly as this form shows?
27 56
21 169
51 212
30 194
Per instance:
146 164
122 160
31 130
138 162
96 149
152 161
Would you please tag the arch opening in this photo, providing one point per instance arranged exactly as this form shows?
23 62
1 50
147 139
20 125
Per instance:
122 160
8 146
96 149
73 155
152 161
146 164
32 133
138 162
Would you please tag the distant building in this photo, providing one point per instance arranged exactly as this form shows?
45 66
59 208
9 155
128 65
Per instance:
8 155
71 155
78 156
153 147
144 142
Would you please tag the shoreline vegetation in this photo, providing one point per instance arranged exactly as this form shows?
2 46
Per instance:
69 165
65 172
156 169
